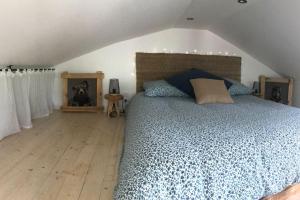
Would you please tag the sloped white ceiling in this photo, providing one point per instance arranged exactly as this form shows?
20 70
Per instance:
54 31
268 30
209 12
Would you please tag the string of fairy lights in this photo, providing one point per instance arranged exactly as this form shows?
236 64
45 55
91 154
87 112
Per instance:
194 51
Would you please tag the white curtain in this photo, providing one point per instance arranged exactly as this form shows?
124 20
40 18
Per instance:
8 115
50 77
38 95
24 96
21 92
41 93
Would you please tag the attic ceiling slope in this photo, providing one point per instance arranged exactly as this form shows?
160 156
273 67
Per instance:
269 31
54 31
209 12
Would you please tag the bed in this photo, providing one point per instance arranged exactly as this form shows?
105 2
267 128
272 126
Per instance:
176 149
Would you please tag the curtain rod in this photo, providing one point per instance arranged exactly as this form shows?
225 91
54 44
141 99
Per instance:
10 67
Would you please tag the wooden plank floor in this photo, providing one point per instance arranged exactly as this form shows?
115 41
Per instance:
66 156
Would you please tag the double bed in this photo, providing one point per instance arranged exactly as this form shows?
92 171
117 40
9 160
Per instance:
176 149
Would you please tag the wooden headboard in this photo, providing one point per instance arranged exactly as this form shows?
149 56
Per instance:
157 66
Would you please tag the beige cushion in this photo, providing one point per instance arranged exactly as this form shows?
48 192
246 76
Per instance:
210 91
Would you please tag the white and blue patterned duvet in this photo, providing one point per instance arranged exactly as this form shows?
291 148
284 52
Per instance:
176 149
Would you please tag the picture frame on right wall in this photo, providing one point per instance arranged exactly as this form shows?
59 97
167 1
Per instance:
279 90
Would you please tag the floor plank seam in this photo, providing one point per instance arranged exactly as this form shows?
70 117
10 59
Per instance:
67 156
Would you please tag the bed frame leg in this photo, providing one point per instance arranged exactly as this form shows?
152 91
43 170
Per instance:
292 192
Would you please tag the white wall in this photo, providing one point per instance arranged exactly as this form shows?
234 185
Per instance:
118 60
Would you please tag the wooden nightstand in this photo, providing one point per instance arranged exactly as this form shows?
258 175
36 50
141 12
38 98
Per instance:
113 103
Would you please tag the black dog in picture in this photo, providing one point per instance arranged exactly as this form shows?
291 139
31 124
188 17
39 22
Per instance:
81 94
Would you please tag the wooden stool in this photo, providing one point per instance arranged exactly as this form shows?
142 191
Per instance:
113 103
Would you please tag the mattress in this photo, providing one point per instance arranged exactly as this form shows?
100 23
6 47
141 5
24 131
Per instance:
176 149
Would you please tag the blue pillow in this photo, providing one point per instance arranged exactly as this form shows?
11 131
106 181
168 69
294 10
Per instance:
239 89
182 81
161 88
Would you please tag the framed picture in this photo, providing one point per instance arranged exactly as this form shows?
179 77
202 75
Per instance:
82 92
275 89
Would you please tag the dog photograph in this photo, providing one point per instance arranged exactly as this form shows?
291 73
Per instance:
82 92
